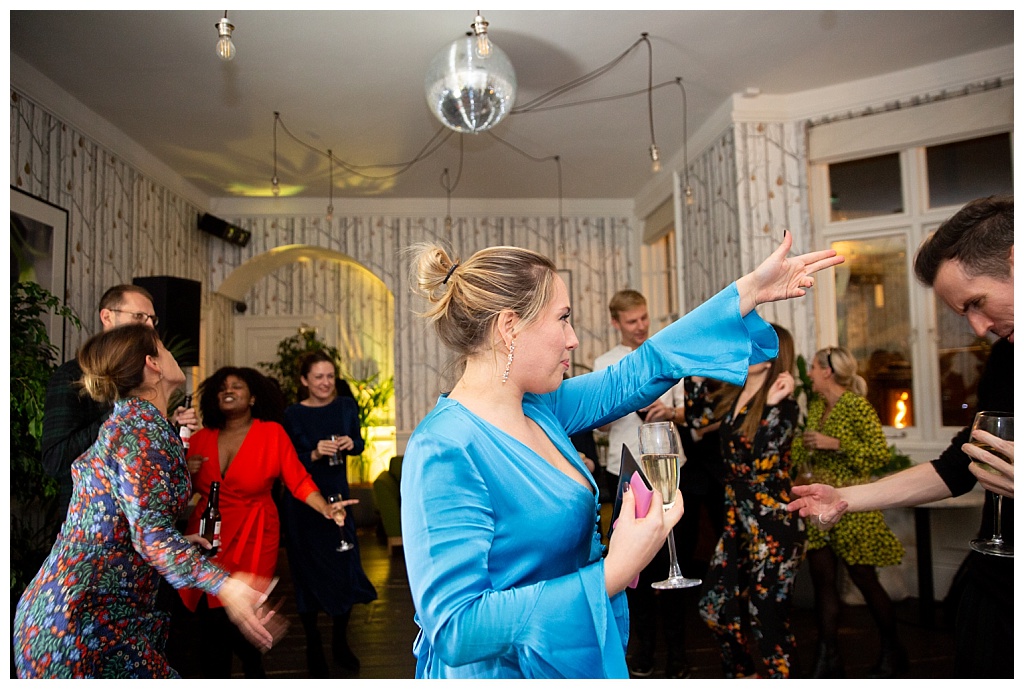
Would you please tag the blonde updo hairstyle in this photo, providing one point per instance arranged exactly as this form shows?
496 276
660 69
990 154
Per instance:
466 297
114 361
844 368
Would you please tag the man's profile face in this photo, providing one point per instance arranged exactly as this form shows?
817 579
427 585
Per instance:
128 311
986 302
633 326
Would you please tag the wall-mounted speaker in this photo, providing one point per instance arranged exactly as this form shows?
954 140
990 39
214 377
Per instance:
225 230
178 303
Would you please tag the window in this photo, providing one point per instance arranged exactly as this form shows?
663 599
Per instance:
658 266
873 318
964 170
866 187
921 361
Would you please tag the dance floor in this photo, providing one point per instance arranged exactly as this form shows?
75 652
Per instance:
381 633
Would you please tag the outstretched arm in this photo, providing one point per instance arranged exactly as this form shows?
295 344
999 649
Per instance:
914 486
781 277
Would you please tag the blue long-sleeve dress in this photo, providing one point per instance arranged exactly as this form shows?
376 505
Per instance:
502 549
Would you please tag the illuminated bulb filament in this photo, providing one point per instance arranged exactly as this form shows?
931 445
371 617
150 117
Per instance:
225 48
483 44
655 159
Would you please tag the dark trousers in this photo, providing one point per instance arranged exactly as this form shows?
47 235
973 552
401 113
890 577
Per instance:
652 609
220 641
984 633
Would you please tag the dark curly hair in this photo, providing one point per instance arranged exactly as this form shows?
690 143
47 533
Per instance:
269 404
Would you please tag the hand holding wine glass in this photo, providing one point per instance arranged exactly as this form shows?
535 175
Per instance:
992 434
661 455
338 503
993 468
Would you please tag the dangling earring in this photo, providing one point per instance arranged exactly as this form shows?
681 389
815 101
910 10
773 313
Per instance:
508 365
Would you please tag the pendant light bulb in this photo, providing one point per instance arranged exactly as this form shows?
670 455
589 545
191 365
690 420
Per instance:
655 159
689 195
483 43
225 47
275 187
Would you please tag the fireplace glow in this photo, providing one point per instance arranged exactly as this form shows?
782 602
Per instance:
902 410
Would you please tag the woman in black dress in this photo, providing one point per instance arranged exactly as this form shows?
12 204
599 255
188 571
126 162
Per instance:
324 578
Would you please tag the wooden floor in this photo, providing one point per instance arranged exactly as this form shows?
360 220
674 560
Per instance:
381 633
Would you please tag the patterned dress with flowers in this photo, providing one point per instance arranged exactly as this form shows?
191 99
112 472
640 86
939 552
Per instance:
91 609
756 560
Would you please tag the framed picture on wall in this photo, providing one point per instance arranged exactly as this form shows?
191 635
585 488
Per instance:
39 251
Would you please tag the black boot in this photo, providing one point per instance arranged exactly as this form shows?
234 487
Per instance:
892 662
315 660
828 664
343 655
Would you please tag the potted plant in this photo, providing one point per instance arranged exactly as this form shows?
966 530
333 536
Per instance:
34 518
372 394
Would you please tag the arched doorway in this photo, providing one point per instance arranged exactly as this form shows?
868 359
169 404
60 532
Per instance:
301 286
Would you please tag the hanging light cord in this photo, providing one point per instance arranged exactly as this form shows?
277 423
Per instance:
650 87
355 169
277 120
539 104
686 157
576 83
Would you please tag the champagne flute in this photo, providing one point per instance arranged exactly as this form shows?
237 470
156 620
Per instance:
999 424
345 545
661 456
337 458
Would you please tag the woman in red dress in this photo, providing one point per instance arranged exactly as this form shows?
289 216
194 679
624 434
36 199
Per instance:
244 447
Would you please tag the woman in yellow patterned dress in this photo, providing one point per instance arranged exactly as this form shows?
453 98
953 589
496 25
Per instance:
845 445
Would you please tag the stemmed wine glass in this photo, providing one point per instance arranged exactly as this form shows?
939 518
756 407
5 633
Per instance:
661 456
345 544
999 424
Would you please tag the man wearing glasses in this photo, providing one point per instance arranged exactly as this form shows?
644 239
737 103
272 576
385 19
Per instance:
71 420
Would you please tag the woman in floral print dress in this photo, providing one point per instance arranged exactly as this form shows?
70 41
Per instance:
757 558
91 609
846 445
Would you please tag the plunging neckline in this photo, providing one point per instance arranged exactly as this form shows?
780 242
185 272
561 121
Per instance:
582 470
238 451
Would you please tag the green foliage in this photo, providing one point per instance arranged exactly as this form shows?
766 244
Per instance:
898 461
372 393
289 358
33 359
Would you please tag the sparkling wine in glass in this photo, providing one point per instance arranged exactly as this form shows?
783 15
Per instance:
337 458
345 545
999 424
661 456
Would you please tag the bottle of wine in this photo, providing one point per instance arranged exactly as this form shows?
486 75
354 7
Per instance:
209 523
184 431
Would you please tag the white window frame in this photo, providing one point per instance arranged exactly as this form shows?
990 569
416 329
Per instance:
915 223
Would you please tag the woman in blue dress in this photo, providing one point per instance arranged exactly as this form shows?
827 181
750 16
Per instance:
499 515
91 611
321 426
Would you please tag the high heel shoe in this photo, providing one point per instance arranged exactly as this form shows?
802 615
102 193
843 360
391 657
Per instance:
828 664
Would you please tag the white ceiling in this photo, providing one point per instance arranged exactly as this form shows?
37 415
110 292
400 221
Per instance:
352 81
